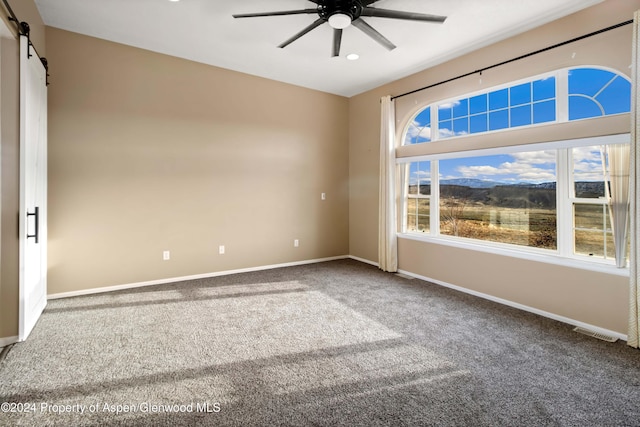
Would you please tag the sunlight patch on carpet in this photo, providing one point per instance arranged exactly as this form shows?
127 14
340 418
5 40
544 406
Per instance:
397 365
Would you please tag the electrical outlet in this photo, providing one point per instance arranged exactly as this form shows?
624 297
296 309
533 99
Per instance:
221 249
323 196
166 255
296 243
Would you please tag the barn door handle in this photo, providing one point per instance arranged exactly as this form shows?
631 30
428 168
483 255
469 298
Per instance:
37 215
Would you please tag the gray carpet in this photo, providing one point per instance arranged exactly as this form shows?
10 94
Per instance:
328 344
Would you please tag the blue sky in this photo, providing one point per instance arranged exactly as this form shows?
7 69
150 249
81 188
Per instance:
531 167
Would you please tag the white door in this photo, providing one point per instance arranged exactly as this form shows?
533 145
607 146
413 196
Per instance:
33 188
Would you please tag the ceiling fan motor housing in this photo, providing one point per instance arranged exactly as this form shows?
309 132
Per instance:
351 8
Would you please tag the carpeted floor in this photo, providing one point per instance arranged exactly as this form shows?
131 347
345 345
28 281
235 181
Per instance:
328 344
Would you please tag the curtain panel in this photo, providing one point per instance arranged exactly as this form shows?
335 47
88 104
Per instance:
387 237
633 337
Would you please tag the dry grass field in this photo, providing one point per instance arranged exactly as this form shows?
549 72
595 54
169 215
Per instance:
524 227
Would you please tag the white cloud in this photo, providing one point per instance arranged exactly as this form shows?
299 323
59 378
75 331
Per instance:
448 133
547 157
449 105
587 164
417 130
474 171
525 167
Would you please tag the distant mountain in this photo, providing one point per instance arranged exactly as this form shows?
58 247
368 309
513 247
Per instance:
499 194
470 182
590 189
547 185
509 195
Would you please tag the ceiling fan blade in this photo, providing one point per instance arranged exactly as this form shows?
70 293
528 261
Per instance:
371 32
398 14
337 41
315 24
280 13
366 3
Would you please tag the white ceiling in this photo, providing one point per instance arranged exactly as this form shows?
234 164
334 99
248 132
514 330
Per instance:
204 31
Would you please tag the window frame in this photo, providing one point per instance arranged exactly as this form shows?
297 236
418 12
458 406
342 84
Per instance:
564 254
437 148
561 104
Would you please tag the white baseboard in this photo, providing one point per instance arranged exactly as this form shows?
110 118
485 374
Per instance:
183 278
519 306
8 340
366 261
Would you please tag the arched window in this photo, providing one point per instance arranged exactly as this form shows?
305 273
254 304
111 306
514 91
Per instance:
595 92
592 92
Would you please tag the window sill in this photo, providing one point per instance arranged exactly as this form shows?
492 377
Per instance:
531 254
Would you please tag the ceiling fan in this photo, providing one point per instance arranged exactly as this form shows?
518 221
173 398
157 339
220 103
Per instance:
342 13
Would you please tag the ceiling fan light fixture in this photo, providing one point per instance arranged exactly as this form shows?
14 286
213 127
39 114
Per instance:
339 20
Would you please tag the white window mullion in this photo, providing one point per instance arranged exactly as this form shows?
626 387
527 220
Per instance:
435 128
404 202
562 96
434 202
564 205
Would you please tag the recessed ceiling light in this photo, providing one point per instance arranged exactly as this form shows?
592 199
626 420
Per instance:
174 1
353 56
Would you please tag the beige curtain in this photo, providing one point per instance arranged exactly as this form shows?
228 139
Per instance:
633 337
619 162
387 238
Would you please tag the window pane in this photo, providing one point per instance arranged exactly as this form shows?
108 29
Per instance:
461 126
595 92
418 215
592 217
499 120
544 89
478 104
419 183
588 81
502 198
583 108
444 112
423 215
520 94
412 217
615 97
589 243
445 129
419 178
498 99
478 123
521 116
544 112
419 129
588 172
592 231
461 108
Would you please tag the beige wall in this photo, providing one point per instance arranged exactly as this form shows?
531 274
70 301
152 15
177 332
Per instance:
594 298
25 10
150 153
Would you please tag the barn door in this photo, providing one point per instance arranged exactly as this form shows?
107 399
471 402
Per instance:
33 188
